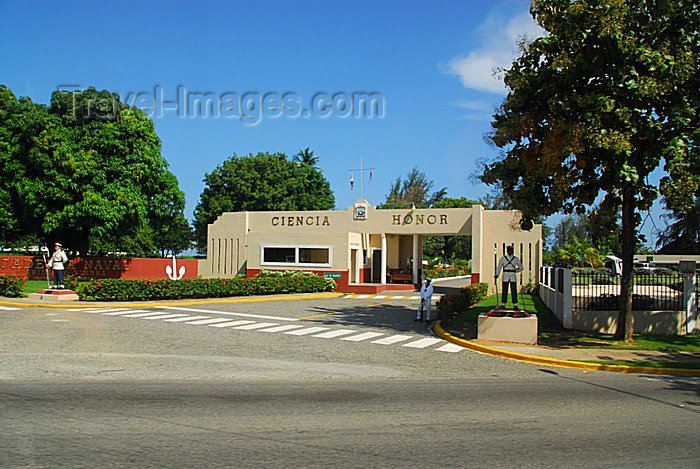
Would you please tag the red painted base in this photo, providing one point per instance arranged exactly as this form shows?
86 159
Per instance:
54 295
370 288
57 291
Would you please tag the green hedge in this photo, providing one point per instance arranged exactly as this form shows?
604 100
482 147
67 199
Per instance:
11 285
448 272
266 283
454 303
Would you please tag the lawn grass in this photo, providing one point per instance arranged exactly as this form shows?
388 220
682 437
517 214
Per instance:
33 286
552 333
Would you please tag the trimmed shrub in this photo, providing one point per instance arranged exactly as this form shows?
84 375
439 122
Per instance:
161 289
454 303
11 285
446 272
590 276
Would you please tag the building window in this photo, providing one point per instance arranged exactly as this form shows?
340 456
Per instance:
279 255
305 256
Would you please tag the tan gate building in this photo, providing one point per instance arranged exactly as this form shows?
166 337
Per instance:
364 249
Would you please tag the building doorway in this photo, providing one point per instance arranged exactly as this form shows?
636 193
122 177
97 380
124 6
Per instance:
376 265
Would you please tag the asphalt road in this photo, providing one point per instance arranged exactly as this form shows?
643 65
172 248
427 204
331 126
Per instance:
312 383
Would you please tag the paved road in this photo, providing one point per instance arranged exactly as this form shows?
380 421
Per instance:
312 383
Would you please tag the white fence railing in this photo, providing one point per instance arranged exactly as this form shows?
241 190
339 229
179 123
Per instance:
559 293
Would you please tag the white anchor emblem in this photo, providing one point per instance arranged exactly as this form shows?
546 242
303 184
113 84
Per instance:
171 271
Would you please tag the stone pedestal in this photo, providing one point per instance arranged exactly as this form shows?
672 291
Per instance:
505 328
54 295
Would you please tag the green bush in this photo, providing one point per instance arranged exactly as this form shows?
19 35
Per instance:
11 285
265 283
446 272
454 303
590 276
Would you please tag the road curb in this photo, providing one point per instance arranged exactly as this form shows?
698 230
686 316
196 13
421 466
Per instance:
83 304
560 363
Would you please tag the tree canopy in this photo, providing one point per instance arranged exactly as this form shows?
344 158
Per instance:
604 234
86 171
414 190
307 157
581 253
259 183
450 247
682 235
596 106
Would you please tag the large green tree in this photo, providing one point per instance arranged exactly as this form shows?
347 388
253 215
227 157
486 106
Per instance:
597 105
682 235
414 190
258 183
595 225
580 252
86 171
450 247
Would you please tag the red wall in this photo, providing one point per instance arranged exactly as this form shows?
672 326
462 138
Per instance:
32 267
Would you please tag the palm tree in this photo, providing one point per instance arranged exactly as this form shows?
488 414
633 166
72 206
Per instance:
581 252
306 157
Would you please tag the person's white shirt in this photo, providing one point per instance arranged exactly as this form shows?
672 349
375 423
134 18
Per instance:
58 259
426 292
510 265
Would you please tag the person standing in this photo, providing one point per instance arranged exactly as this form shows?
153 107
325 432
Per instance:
510 265
57 263
426 296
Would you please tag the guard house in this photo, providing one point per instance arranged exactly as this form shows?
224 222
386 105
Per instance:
364 249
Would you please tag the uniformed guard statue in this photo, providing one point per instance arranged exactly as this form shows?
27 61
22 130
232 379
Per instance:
510 265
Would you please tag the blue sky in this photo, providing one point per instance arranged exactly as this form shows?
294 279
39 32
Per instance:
429 64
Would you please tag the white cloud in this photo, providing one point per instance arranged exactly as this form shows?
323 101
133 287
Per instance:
474 105
497 49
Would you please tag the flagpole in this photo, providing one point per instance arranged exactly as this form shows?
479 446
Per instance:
361 169
362 185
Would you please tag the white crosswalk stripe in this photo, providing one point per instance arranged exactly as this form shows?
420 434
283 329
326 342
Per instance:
167 316
422 343
231 323
122 313
450 348
186 318
9 308
250 324
363 336
286 327
392 339
142 315
257 325
335 333
225 313
308 330
208 321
